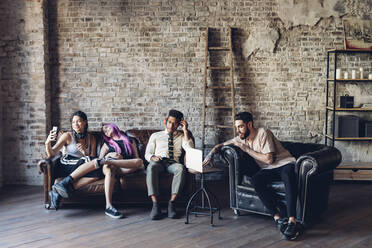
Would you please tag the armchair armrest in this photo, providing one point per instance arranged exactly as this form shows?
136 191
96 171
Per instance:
318 162
235 158
232 155
315 174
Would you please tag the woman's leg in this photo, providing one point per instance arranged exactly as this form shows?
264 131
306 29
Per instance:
84 169
67 185
84 181
109 173
135 163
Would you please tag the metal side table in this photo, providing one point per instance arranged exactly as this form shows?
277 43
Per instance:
206 197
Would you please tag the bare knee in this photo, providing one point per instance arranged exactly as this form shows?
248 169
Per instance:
108 170
139 163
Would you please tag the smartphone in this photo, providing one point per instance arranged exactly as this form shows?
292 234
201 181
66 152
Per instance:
55 128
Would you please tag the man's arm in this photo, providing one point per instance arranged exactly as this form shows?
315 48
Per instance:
58 146
208 159
150 150
267 158
186 140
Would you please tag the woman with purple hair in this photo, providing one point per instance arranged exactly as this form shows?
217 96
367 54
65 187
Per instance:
118 155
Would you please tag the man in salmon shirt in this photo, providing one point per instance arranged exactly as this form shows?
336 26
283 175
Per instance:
271 162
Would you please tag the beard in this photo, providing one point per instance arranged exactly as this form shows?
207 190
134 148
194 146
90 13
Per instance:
245 135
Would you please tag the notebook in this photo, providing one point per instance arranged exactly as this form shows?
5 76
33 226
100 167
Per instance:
194 161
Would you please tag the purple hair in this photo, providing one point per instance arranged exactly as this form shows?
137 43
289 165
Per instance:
116 131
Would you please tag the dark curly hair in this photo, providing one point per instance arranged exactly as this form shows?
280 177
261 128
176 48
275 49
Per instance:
244 116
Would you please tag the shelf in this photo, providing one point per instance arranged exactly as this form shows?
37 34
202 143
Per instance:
350 171
350 80
347 165
350 138
350 51
351 109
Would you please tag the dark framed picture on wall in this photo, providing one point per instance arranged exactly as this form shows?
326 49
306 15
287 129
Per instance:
358 33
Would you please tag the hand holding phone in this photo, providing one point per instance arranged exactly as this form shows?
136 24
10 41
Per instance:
52 135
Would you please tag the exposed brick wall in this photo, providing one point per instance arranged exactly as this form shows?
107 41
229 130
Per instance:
23 89
130 61
1 138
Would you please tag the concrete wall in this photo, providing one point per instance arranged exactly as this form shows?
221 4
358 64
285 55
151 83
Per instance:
130 61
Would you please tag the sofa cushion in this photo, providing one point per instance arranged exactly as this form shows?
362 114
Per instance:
96 187
142 136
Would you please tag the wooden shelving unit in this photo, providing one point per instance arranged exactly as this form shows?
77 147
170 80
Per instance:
347 170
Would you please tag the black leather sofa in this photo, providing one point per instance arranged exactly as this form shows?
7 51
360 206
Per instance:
314 167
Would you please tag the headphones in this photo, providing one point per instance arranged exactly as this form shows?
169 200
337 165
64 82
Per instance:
165 121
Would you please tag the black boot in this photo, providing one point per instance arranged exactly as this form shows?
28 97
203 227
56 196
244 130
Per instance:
64 187
171 210
155 211
55 199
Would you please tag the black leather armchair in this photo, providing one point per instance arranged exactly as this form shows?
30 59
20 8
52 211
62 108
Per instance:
314 169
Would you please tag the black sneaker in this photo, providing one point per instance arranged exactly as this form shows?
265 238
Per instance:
281 224
292 231
113 213
155 211
64 187
55 199
171 210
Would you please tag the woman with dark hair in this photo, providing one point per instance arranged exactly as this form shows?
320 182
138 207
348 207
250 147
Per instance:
78 147
118 155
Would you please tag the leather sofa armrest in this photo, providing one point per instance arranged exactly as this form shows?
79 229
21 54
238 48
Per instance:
231 154
45 167
315 173
318 162
43 164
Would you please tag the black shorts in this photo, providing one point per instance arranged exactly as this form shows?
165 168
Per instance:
67 164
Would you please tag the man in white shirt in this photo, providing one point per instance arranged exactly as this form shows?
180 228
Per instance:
271 162
163 152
